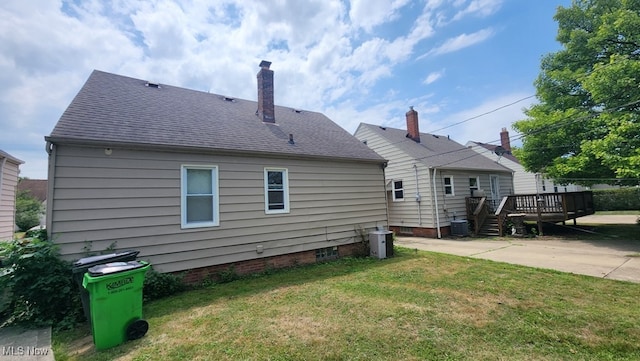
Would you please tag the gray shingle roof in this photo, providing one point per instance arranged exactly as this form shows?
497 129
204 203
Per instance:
492 148
436 150
114 109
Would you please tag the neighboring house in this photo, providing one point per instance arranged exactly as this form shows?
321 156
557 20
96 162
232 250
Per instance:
429 177
203 182
9 170
524 182
37 188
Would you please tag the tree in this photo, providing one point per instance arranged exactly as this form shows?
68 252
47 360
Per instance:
28 210
585 128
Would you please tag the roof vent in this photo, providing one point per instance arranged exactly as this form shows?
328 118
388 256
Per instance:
152 84
229 99
383 128
291 139
297 110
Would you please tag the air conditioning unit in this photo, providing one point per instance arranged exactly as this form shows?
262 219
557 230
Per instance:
459 228
381 244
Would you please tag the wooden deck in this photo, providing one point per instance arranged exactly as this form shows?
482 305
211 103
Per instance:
546 207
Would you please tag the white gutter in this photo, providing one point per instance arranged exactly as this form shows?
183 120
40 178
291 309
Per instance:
435 197
418 197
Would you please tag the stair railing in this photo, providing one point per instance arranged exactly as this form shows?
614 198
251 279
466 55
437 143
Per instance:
480 214
507 205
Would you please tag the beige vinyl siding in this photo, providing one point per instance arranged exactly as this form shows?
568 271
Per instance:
400 167
8 183
132 197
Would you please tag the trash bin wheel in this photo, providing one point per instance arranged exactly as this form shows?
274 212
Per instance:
137 329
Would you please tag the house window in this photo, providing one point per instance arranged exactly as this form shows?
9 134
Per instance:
448 186
544 186
474 184
276 191
199 196
398 190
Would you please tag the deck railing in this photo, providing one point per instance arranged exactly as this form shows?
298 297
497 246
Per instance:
554 207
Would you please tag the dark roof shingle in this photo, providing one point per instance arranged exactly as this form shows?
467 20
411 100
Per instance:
436 150
115 109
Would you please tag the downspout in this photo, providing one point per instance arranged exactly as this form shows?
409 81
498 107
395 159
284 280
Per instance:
418 197
51 151
386 197
435 197
4 161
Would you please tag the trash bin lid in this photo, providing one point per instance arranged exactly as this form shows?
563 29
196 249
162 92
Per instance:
82 264
114 267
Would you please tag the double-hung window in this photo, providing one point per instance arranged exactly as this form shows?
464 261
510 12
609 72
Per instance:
474 185
199 196
398 190
448 186
276 190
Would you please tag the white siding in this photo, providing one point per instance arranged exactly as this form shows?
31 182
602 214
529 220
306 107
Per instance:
406 213
8 186
132 197
409 213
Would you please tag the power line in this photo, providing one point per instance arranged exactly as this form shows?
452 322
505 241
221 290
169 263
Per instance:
483 114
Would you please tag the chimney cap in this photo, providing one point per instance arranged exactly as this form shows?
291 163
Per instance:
265 64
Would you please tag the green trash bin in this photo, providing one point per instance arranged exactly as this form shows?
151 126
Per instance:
115 298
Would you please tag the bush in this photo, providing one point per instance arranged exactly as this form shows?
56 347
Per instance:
158 285
37 286
623 199
28 211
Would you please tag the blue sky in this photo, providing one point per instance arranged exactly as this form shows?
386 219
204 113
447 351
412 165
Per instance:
356 61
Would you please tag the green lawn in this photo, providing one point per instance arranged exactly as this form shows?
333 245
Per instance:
415 306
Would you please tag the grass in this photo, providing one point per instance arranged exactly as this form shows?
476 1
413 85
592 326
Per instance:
415 306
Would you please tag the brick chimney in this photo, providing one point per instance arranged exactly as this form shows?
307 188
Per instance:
266 108
412 125
504 140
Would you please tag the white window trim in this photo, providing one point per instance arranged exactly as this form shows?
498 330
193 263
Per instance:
394 189
444 186
183 197
285 186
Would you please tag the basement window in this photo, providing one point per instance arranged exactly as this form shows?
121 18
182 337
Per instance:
326 254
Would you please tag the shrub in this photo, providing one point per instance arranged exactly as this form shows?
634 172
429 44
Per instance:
158 285
37 285
28 211
623 199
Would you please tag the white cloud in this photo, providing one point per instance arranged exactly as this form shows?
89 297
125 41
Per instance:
328 55
481 8
367 14
432 77
460 42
